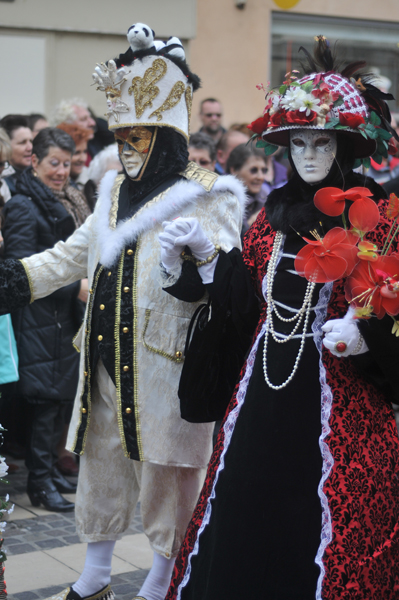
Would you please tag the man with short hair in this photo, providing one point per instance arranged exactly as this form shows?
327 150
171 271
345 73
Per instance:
226 144
202 150
76 111
17 129
211 114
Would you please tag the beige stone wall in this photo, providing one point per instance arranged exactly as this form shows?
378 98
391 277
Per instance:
55 45
231 51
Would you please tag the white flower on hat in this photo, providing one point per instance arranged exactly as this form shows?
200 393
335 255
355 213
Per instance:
3 467
295 98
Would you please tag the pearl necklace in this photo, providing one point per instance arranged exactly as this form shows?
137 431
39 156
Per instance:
302 314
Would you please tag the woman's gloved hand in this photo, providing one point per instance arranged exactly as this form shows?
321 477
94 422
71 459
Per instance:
342 336
186 232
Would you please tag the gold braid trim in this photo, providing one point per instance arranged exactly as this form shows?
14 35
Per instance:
118 300
113 213
87 365
25 266
75 336
189 103
171 357
135 363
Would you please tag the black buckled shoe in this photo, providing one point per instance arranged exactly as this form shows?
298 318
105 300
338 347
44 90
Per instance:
61 483
69 594
43 491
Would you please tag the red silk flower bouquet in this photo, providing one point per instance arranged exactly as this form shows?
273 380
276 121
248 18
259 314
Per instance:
372 275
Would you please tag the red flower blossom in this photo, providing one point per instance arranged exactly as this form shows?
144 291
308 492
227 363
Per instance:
331 200
364 214
328 258
299 118
278 118
259 125
350 120
393 207
376 285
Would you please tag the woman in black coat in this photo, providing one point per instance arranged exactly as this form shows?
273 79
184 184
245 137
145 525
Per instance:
44 211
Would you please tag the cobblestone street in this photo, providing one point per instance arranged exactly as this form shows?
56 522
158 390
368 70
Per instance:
44 554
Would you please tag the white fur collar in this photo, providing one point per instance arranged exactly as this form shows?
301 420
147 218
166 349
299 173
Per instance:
155 212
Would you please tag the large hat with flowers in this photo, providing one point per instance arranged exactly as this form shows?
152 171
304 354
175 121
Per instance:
330 100
148 85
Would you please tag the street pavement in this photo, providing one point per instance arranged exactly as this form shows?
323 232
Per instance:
44 554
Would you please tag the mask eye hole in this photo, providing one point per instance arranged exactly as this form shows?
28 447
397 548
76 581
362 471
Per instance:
298 142
134 140
321 142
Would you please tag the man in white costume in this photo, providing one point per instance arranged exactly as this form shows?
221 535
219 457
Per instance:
126 422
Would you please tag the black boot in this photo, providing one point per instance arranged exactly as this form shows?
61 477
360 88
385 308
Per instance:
43 491
61 483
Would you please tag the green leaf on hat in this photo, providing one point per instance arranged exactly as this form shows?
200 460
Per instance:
261 143
362 132
331 124
382 133
377 158
269 148
307 87
357 163
366 162
374 118
338 102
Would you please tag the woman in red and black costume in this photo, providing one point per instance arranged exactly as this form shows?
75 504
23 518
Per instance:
301 498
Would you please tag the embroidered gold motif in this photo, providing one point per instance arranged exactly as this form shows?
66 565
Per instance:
176 357
171 100
135 364
113 213
144 88
200 175
189 103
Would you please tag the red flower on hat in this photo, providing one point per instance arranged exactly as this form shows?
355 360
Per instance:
259 125
350 120
279 118
299 118
375 285
329 258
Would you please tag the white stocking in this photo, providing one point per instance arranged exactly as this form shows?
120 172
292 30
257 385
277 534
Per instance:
157 581
97 570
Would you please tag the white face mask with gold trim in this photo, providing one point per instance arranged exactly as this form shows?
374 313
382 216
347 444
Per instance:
135 146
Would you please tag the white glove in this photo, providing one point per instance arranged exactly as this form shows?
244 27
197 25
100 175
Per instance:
344 330
186 232
170 253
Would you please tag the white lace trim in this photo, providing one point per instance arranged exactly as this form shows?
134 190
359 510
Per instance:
328 461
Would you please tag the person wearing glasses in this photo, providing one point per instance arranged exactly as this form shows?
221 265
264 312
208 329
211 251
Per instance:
211 114
202 150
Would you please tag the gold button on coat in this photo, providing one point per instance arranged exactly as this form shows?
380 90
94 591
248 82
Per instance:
84 411
126 368
130 252
102 306
126 289
178 354
86 373
109 273
91 291
100 338
128 411
125 330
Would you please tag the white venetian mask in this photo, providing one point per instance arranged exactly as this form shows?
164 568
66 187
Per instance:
313 153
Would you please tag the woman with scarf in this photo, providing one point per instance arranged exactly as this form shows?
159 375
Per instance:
45 210
301 495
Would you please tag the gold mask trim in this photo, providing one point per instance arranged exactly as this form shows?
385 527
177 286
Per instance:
144 135
174 98
144 88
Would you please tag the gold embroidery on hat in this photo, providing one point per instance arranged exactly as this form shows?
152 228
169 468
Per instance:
171 100
144 88
189 102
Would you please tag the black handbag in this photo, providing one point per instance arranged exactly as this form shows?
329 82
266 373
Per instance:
213 358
